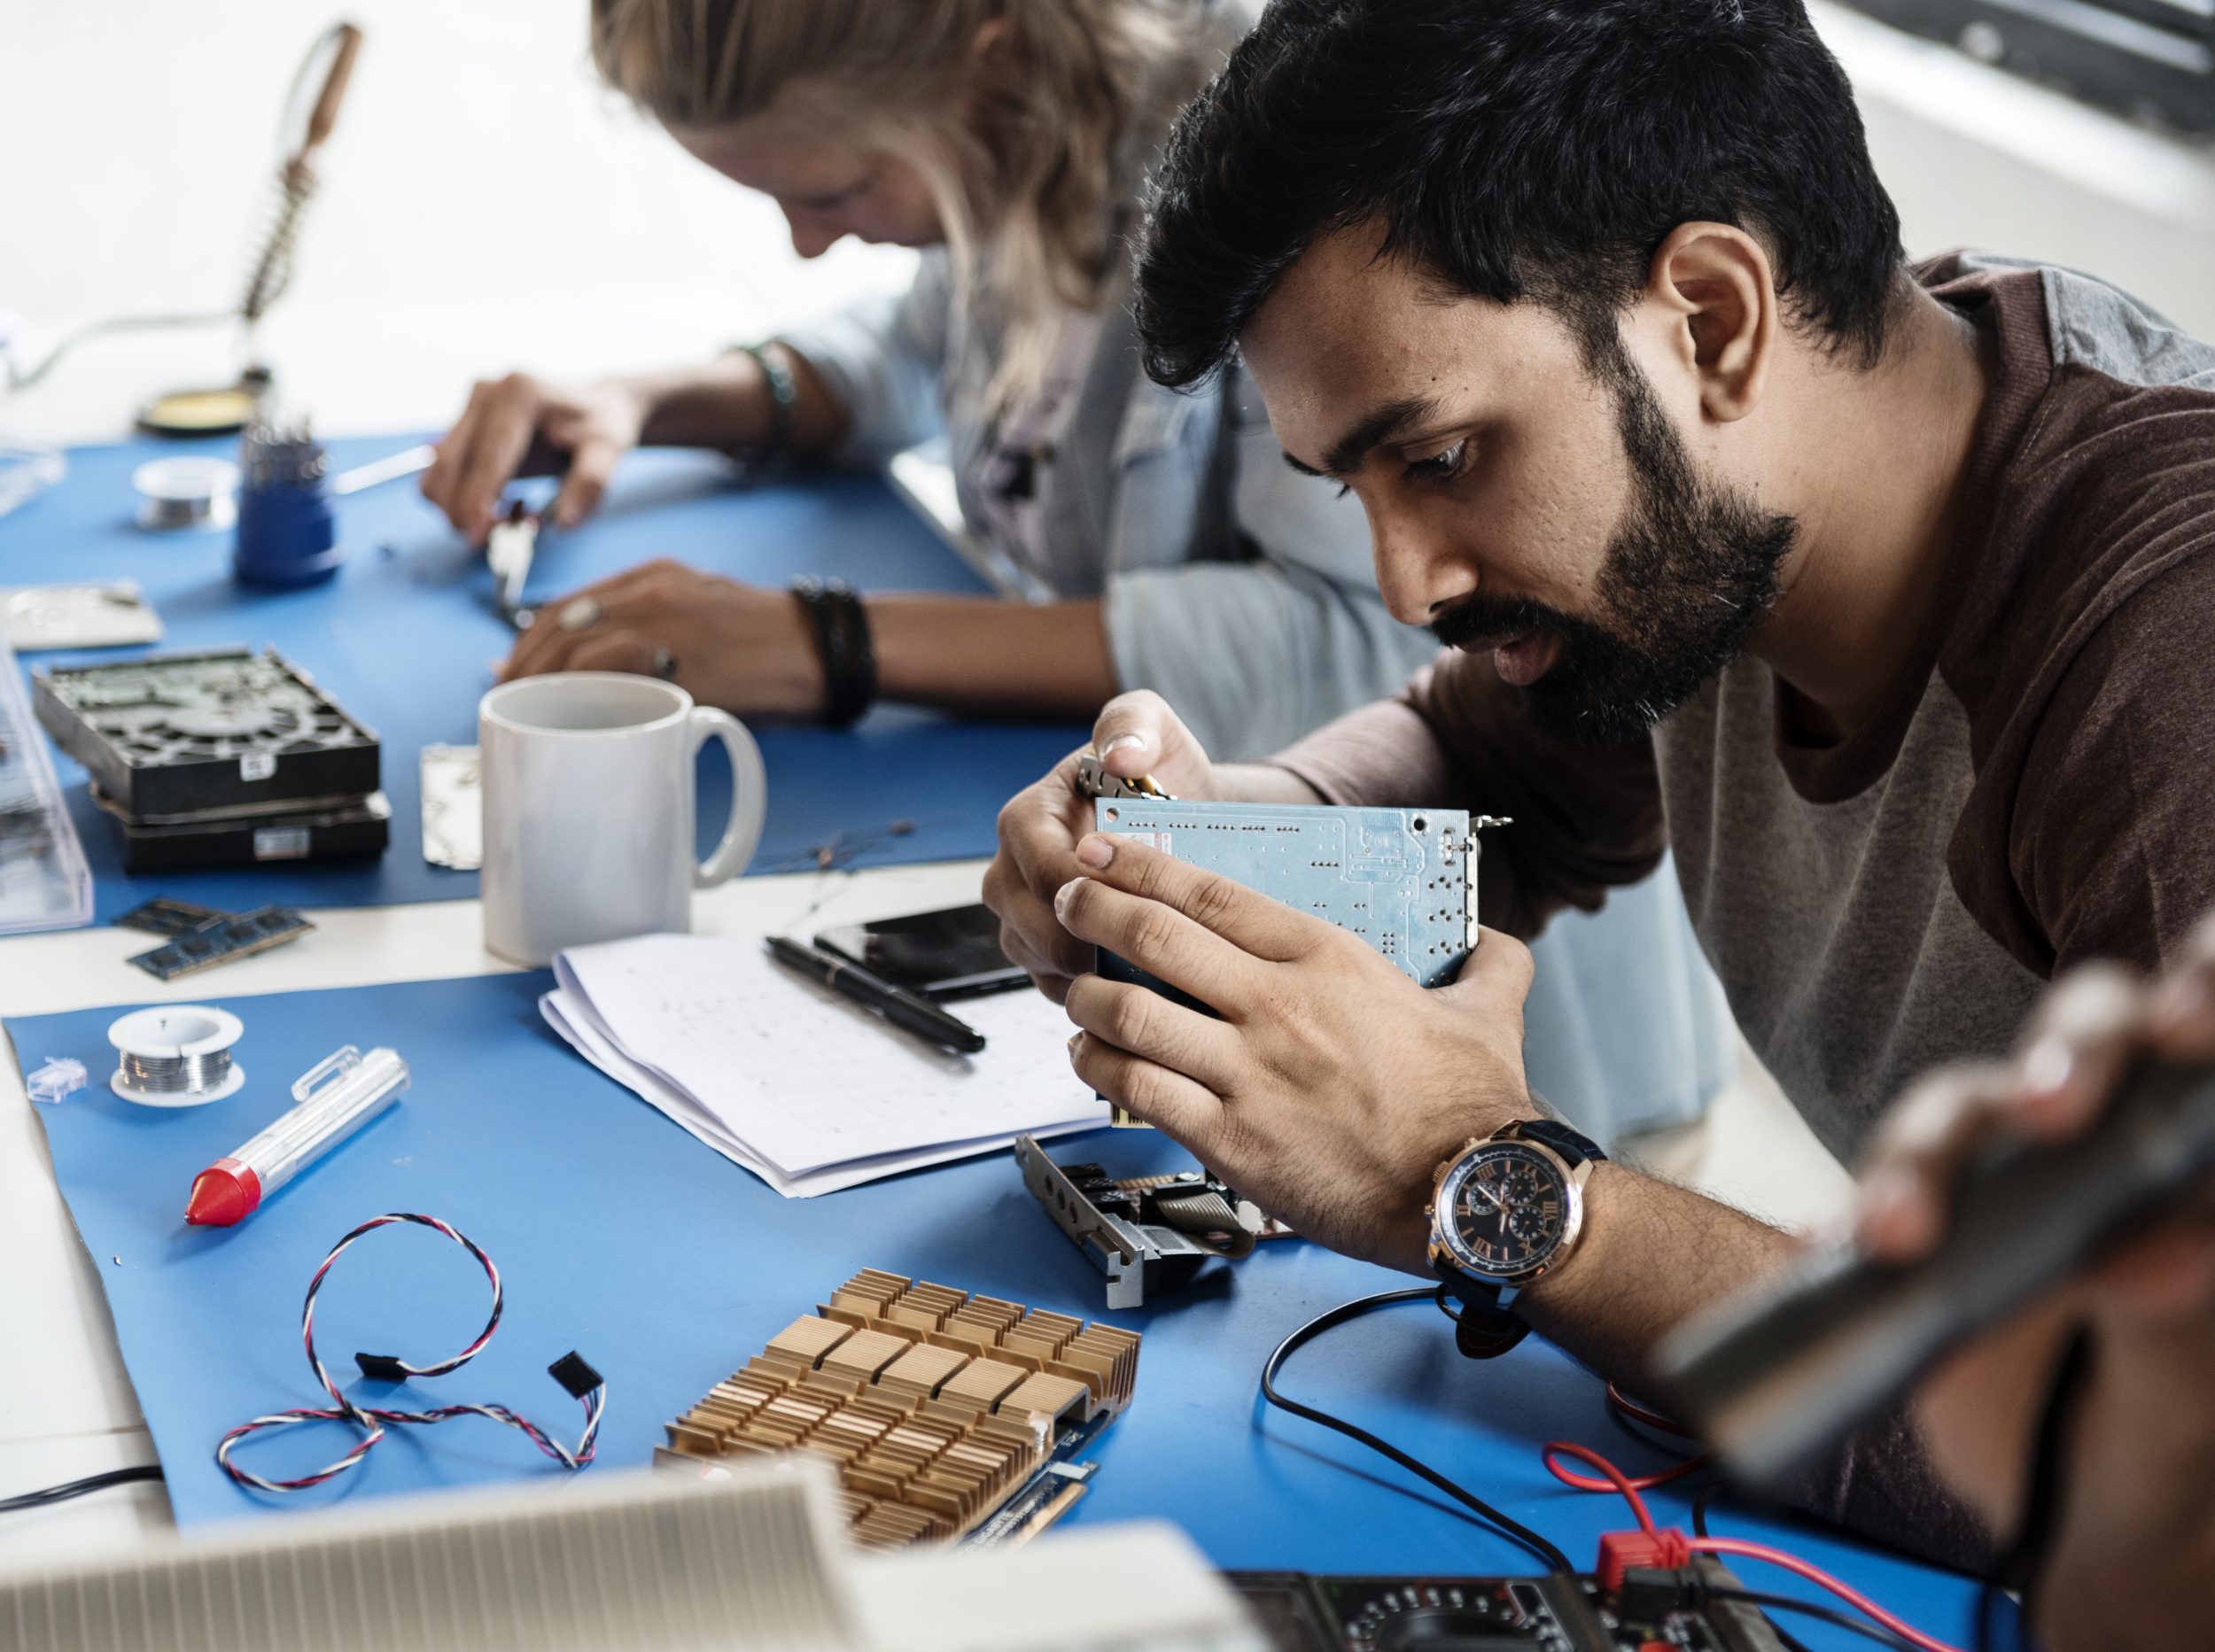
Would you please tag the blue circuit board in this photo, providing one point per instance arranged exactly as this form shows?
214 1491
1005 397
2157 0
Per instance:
1403 879
1050 1491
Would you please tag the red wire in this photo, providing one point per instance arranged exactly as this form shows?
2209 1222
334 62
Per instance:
1852 1596
1631 1408
1627 1484
1618 1481
1638 1482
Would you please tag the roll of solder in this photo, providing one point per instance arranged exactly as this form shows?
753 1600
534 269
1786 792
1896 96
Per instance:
175 1055
186 491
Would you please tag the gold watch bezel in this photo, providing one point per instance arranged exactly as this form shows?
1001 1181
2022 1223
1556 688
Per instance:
1441 1254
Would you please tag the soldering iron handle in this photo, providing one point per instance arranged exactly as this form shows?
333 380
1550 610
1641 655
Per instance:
1776 1378
325 114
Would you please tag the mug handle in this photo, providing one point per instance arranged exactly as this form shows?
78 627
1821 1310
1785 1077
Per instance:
749 796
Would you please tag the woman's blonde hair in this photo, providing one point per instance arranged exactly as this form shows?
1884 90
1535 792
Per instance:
1027 159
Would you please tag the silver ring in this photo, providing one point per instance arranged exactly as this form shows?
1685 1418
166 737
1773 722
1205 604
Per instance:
581 613
666 663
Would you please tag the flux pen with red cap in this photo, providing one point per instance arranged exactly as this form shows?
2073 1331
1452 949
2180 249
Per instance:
337 1097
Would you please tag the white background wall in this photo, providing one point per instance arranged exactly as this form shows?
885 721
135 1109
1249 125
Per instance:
487 205
484 205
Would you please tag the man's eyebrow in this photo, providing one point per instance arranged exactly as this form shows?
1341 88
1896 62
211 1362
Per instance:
1371 429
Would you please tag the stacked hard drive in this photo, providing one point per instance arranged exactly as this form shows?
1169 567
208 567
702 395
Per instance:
218 759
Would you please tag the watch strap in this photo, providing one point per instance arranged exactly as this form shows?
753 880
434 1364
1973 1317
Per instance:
1574 1146
1482 1330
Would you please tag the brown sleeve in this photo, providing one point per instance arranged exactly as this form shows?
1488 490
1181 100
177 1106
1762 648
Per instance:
1585 820
2112 842
1881 1485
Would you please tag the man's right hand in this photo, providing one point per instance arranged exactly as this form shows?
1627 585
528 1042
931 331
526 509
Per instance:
1135 734
518 426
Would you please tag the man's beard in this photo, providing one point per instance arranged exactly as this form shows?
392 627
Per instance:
1691 571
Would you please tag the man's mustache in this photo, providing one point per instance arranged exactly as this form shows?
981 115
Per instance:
1476 617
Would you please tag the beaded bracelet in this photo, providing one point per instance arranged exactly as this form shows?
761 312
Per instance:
784 395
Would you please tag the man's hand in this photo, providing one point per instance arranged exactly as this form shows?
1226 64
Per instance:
1332 1086
1135 734
2136 1539
748 650
520 426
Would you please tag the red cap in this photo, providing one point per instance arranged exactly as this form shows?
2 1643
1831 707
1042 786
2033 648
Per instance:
225 1192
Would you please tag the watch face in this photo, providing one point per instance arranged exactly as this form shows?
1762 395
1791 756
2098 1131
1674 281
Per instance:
1504 1210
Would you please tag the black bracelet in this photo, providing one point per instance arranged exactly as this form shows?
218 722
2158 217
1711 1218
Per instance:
842 637
784 395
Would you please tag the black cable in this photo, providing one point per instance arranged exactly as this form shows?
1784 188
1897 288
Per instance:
78 1488
1512 1528
1700 1501
1827 1614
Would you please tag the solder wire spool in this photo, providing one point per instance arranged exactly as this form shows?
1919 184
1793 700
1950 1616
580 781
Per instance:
176 1055
186 492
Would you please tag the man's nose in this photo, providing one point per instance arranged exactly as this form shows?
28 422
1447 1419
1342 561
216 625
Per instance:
1419 573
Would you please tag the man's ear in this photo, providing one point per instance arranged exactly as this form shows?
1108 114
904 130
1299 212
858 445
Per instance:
1713 284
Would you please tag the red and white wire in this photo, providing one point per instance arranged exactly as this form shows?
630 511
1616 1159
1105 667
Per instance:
372 1420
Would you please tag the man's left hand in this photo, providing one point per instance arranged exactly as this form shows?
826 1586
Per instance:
1332 1086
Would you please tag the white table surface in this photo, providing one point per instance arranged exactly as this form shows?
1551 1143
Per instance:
66 1408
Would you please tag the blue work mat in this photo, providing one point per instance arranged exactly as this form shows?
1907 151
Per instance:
666 1266
405 638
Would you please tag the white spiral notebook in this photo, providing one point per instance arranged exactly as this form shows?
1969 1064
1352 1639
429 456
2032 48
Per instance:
798 1084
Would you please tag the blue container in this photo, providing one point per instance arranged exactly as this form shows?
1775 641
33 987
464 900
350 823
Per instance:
287 535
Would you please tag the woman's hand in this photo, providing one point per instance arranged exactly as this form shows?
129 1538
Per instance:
524 426
1135 734
2136 1537
749 651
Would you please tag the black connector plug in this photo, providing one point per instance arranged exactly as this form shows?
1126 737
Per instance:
1650 1593
382 1367
573 1374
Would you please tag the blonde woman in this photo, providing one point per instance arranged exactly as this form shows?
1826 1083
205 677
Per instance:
1008 142
1178 552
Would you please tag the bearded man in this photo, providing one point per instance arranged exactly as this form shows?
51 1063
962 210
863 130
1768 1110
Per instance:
1877 592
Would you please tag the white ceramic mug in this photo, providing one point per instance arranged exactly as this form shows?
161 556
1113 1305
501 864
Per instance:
588 809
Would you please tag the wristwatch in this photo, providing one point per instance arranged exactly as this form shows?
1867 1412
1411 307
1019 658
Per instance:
1506 1210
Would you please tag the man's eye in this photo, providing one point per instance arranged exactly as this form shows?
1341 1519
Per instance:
1440 467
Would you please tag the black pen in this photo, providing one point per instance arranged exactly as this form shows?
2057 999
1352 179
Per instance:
918 1014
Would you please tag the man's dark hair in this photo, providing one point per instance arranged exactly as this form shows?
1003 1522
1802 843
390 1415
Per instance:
1514 149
